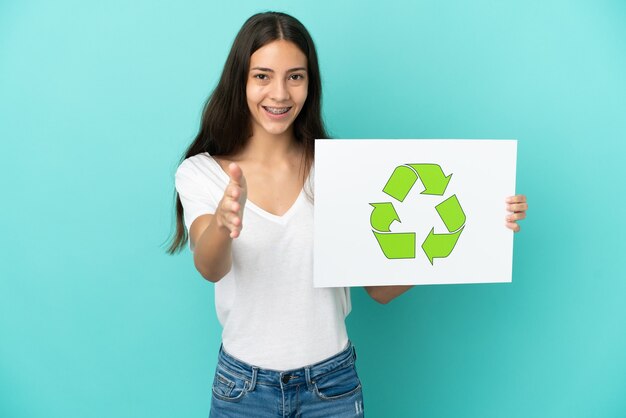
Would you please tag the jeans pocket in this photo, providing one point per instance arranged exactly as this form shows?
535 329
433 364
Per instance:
337 384
229 386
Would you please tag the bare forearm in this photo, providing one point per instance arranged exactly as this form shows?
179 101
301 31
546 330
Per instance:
212 255
385 294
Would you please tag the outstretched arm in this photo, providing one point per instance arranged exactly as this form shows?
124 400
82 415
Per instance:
212 235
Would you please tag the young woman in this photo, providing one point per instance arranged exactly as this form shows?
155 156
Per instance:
285 350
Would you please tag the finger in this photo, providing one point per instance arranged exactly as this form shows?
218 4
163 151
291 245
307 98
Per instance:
516 217
227 204
234 207
234 191
519 198
226 223
226 214
233 230
517 207
233 219
513 226
236 229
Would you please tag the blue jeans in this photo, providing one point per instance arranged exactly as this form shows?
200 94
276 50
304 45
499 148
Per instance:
330 388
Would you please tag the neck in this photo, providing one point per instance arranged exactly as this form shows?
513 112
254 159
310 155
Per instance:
268 148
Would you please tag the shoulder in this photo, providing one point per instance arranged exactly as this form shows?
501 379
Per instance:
200 170
194 164
200 165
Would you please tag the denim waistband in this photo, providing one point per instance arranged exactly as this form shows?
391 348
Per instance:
302 375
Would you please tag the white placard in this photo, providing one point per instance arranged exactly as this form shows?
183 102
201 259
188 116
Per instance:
449 196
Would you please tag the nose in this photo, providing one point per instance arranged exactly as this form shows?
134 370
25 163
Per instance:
280 91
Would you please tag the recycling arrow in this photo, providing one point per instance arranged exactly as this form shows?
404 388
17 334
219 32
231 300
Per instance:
400 183
383 216
440 245
451 213
404 177
433 178
397 245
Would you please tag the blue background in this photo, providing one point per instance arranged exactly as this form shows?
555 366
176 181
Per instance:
98 100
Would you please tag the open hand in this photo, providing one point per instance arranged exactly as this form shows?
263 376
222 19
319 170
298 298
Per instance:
229 213
517 207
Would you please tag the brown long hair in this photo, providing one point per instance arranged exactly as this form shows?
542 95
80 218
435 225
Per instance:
225 125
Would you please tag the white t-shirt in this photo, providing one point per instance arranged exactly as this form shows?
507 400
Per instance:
272 316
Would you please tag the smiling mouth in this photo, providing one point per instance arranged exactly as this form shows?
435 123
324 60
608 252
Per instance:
277 110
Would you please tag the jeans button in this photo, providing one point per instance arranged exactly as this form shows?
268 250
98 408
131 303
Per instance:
285 378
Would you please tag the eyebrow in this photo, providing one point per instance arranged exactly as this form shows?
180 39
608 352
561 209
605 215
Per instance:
269 70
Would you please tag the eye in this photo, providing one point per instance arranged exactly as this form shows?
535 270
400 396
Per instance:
261 76
296 77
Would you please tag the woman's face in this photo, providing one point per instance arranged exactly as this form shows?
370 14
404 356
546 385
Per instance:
277 87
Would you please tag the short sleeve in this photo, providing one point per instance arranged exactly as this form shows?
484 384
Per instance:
197 194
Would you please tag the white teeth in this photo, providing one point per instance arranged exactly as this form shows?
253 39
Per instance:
277 110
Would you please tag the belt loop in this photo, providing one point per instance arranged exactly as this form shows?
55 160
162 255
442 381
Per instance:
255 371
307 375
354 353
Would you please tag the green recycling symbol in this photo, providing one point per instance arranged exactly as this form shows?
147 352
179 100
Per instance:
396 245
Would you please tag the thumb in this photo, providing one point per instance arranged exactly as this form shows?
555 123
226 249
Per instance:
236 175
